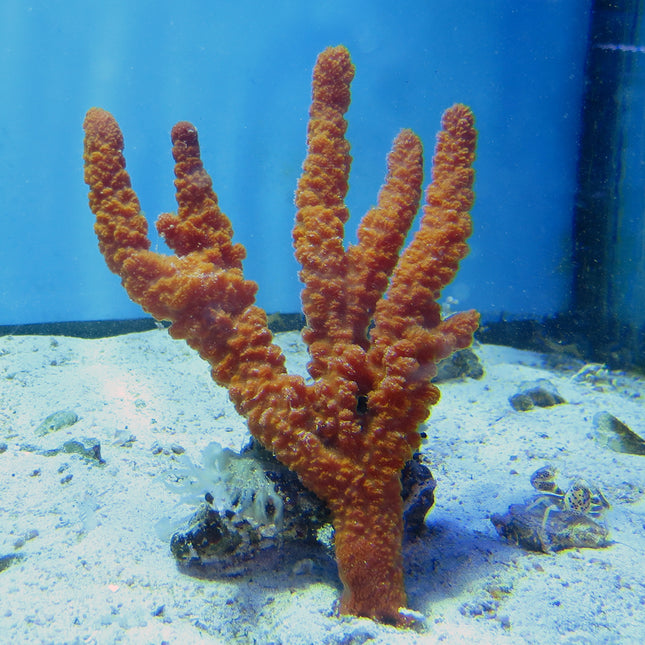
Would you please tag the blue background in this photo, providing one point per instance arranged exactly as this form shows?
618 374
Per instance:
241 72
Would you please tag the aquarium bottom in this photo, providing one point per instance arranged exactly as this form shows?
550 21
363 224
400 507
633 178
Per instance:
616 345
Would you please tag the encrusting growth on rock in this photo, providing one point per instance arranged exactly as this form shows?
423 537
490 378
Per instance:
349 433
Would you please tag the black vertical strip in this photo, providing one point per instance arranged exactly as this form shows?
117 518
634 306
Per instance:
613 29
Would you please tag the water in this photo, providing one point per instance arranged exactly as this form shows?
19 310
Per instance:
241 73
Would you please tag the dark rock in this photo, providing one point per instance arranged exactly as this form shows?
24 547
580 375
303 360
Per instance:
10 558
464 363
541 393
228 535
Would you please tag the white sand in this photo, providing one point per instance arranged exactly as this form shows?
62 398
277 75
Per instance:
95 570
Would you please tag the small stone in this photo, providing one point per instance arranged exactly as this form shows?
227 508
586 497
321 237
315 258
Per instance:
57 421
124 439
10 558
521 402
87 447
541 393
463 363
28 535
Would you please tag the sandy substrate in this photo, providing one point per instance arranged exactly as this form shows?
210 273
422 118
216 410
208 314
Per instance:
83 563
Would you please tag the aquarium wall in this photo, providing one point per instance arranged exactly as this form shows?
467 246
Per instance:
241 73
609 219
